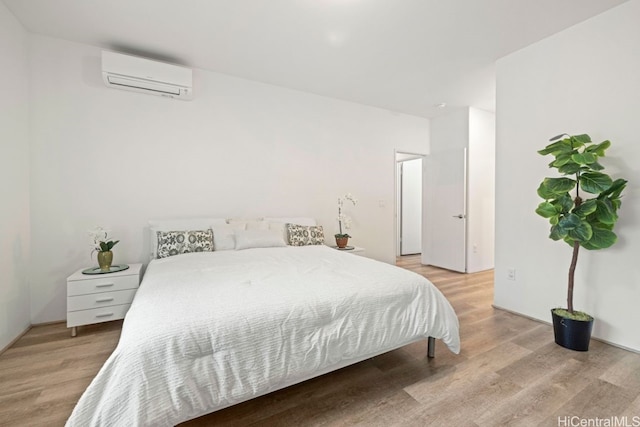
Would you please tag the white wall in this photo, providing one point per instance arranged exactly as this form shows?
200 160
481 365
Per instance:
107 157
582 80
14 179
450 131
481 190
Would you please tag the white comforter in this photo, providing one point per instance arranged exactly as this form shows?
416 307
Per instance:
209 330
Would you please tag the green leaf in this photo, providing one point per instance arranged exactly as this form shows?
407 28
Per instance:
583 158
582 139
605 212
599 149
556 148
546 210
615 190
104 247
555 138
569 168
582 232
562 159
557 233
559 186
597 224
601 239
569 222
586 208
545 193
596 166
595 182
563 204
616 203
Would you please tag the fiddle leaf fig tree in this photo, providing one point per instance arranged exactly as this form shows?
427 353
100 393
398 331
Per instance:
582 204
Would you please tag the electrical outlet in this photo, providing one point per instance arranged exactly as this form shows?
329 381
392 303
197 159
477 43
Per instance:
511 273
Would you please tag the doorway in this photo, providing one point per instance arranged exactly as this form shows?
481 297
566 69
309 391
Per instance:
408 203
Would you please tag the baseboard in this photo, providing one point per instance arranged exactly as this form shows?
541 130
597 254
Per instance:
13 341
54 322
633 350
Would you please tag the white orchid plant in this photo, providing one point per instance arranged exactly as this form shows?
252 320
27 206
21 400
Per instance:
344 222
100 240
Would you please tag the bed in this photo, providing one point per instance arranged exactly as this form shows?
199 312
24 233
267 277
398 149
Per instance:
208 330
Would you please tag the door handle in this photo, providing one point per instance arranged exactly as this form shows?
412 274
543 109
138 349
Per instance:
460 216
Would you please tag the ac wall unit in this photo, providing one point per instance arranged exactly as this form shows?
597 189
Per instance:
137 74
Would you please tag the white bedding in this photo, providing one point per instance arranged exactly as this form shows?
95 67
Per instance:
208 330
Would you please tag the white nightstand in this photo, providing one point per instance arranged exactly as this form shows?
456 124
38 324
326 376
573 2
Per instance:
357 250
95 298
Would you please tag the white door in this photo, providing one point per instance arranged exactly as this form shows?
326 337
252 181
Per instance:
411 207
445 210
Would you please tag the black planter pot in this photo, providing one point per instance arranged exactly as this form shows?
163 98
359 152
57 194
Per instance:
572 334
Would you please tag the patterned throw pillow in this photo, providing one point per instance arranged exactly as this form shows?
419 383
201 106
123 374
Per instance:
301 235
172 243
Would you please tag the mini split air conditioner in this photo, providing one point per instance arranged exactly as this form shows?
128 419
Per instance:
136 74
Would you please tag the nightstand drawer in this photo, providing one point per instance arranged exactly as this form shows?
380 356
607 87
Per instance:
96 315
104 299
103 284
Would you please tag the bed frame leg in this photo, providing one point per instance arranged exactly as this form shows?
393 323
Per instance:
431 347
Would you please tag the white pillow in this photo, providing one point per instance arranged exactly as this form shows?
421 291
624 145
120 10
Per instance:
280 228
224 237
246 239
178 225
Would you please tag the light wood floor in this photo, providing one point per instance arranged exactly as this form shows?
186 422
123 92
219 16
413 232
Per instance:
509 372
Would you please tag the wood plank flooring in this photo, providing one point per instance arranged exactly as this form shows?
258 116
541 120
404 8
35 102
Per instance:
510 372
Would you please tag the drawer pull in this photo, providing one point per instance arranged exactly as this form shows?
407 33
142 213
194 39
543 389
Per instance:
104 299
104 285
104 315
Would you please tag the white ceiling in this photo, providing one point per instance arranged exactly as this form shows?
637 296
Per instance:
401 55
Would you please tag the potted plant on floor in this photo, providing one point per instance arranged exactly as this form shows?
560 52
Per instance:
578 220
